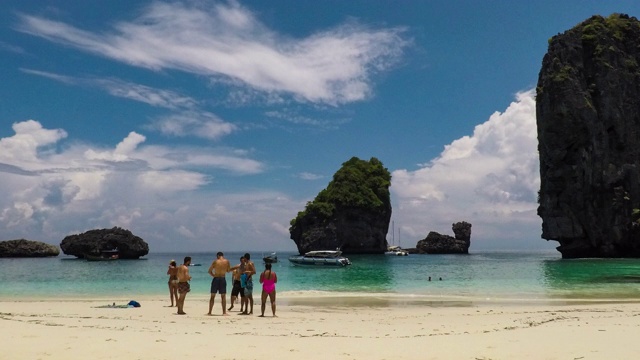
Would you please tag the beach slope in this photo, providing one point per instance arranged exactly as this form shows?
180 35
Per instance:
75 329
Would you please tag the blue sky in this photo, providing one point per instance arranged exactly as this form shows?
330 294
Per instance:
207 125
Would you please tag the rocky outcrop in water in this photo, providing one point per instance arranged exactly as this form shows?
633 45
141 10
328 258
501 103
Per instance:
26 248
588 118
352 213
93 242
436 243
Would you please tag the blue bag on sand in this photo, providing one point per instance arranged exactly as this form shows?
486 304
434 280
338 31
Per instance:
134 303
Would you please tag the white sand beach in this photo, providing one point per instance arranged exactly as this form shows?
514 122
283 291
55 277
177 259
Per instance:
325 328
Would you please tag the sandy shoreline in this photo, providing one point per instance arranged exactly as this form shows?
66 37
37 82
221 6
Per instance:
320 329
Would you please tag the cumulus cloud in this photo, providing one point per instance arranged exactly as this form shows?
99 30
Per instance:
50 190
227 41
121 152
489 179
30 139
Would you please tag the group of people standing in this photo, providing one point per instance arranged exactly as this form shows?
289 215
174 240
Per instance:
242 285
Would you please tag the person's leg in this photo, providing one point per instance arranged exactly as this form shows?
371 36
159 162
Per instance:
245 301
224 303
233 299
180 303
272 297
251 303
174 290
211 301
171 293
264 303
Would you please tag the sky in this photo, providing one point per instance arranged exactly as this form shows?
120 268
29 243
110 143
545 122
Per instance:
205 125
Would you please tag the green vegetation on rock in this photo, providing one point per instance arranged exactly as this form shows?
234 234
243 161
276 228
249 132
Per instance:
357 184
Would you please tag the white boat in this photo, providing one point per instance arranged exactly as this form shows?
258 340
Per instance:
321 258
270 259
396 251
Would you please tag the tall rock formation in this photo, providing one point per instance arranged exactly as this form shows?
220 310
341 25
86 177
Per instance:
352 213
588 116
93 242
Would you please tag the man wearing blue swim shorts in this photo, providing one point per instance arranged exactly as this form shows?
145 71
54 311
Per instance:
218 270
249 270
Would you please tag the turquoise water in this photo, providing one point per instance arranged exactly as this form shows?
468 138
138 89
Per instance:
483 275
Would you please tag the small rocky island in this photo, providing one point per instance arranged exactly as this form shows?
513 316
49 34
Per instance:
27 249
94 242
588 119
436 243
352 213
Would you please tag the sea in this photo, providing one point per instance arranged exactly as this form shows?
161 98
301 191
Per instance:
478 276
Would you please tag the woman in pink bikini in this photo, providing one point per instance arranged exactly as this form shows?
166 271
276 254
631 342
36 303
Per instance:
268 279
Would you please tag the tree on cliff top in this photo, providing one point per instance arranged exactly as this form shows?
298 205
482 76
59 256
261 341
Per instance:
357 184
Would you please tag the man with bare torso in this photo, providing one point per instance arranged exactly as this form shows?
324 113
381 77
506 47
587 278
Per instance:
249 270
183 283
218 270
237 288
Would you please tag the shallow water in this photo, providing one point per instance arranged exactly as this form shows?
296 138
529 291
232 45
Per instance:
478 276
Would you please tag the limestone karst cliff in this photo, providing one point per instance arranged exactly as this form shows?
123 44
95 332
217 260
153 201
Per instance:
588 118
436 243
352 213
27 248
93 242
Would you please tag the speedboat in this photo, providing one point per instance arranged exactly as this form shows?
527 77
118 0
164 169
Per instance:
396 251
321 258
270 259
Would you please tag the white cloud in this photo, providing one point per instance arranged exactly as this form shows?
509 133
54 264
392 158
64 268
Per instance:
488 179
121 152
152 96
186 120
309 176
228 41
191 123
11 48
30 138
155 97
159 192
69 80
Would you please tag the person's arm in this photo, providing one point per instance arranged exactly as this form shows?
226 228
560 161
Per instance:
211 268
275 278
252 269
169 270
262 277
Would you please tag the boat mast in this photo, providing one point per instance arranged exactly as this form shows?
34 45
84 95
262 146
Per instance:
393 232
